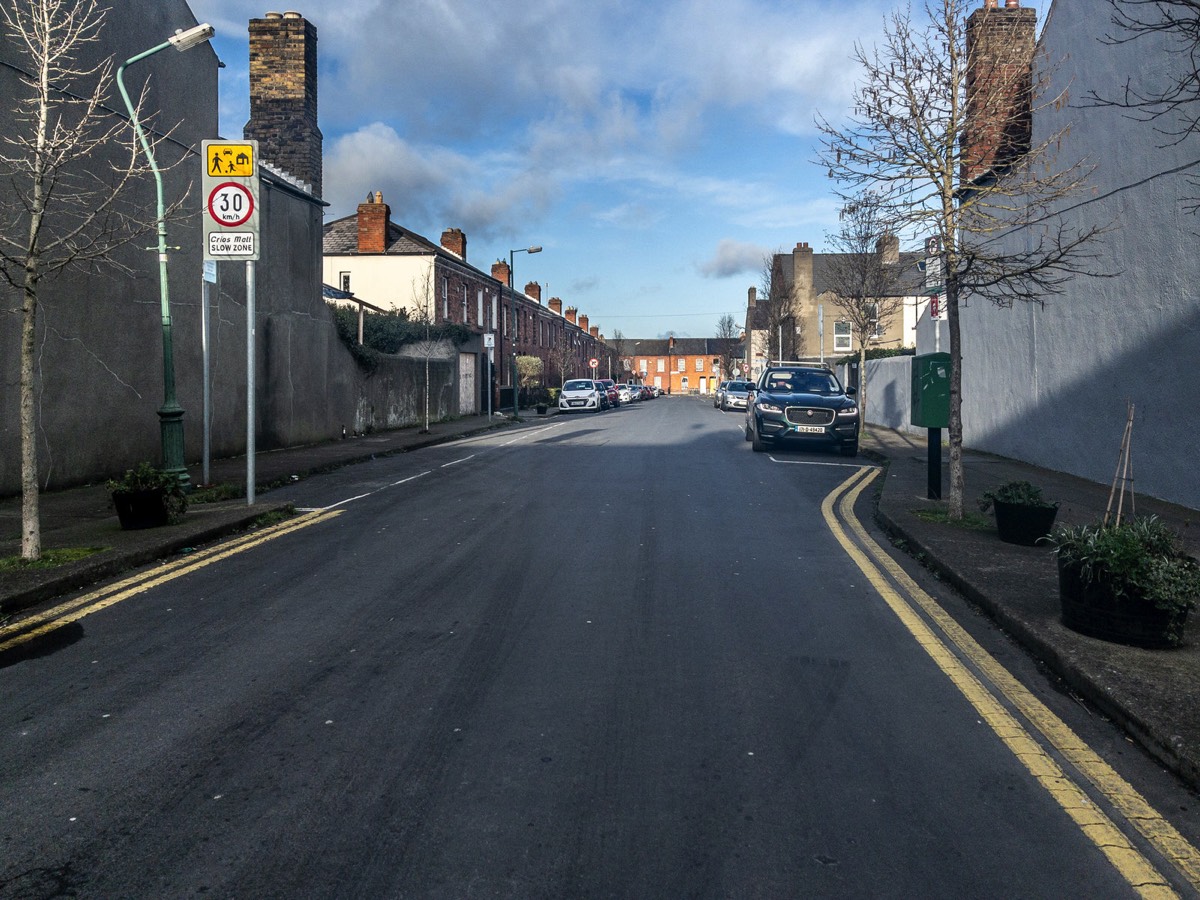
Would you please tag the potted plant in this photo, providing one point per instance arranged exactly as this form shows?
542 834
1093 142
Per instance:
1129 582
1023 516
542 401
146 497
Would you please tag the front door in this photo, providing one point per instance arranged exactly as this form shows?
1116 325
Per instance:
467 395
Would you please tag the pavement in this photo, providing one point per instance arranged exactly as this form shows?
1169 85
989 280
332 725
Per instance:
1149 693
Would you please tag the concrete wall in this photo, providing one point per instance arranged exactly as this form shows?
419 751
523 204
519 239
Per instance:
392 282
1050 384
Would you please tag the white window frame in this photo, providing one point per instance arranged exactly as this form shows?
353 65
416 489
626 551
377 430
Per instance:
843 337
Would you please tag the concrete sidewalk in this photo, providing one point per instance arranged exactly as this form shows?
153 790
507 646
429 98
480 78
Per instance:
1150 693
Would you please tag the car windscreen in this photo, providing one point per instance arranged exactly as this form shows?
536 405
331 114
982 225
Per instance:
739 386
578 386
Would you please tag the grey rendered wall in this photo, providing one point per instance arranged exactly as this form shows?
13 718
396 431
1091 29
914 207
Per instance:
1050 385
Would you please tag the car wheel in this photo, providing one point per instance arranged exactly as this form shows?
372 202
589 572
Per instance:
850 449
746 432
756 441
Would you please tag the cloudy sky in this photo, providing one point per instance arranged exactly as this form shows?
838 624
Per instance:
656 151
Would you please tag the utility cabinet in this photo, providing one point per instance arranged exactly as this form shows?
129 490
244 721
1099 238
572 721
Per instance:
931 390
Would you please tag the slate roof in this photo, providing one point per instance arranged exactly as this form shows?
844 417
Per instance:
341 239
683 346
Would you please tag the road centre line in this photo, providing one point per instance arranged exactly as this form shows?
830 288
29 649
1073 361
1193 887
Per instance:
343 502
1109 839
457 461
32 627
531 433
808 462
1123 796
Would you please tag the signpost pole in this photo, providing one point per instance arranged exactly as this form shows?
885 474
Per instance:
251 414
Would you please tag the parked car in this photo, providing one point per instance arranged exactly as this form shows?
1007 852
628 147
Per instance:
625 392
581 395
610 387
647 392
719 394
804 405
735 394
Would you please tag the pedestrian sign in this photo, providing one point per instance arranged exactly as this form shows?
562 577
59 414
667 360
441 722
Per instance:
230 192
235 160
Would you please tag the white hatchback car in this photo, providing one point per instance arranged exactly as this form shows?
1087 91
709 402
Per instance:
579 395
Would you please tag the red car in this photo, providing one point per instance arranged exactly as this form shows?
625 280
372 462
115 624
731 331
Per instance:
610 388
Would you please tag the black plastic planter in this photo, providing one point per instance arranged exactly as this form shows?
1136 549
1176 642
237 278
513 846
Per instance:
1018 523
141 509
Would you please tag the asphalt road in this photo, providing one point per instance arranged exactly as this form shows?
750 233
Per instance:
613 655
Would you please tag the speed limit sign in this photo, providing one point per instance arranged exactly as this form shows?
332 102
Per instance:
231 204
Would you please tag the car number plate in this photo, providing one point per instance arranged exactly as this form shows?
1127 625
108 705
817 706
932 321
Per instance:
810 429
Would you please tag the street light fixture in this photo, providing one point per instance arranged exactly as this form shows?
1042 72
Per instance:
170 414
511 254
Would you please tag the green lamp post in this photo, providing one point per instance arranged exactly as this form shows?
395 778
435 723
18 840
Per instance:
170 414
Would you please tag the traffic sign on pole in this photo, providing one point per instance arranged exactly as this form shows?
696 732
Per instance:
594 363
230 192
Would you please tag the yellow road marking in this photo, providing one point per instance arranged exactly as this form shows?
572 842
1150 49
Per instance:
35 626
1109 839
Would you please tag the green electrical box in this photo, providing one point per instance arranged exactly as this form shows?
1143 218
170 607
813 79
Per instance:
931 390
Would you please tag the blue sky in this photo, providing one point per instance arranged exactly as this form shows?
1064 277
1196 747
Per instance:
657 152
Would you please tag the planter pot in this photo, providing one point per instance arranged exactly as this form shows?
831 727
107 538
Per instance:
141 509
542 409
1017 523
1091 609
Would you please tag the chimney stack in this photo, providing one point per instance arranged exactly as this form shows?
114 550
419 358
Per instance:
887 248
751 297
534 290
594 331
283 95
373 219
500 271
583 322
570 314
455 241
555 304
999 123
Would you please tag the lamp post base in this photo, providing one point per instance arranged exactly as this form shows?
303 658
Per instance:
170 416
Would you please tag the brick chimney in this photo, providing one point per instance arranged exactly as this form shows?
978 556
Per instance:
887 248
500 271
556 305
751 297
373 224
594 331
570 314
283 95
802 272
999 115
583 322
455 241
534 290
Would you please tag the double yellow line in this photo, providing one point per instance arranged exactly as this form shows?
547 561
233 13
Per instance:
905 598
32 627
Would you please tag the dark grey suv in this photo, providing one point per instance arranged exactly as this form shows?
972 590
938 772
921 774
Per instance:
802 405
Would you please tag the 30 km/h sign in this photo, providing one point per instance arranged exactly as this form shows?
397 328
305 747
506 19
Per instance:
230 186
231 204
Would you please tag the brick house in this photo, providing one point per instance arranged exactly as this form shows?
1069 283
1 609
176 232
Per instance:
677 365
397 269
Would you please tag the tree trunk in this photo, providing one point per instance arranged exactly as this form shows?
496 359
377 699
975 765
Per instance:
955 508
31 534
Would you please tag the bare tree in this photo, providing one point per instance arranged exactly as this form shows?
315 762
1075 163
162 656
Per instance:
621 348
782 321
66 168
1171 103
728 333
864 275
943 138
562 355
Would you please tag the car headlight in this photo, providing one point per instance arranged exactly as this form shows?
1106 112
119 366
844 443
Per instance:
769 407
848 411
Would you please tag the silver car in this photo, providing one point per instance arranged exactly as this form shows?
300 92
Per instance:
734 394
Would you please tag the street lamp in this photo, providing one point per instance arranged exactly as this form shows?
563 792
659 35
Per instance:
511 254
511 282
170 414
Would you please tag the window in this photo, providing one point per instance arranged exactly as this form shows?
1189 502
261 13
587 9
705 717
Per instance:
479 319
464 302
876 330
344 281
445 298
642 366
699 364
662 366
493 316
843 337
682 364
